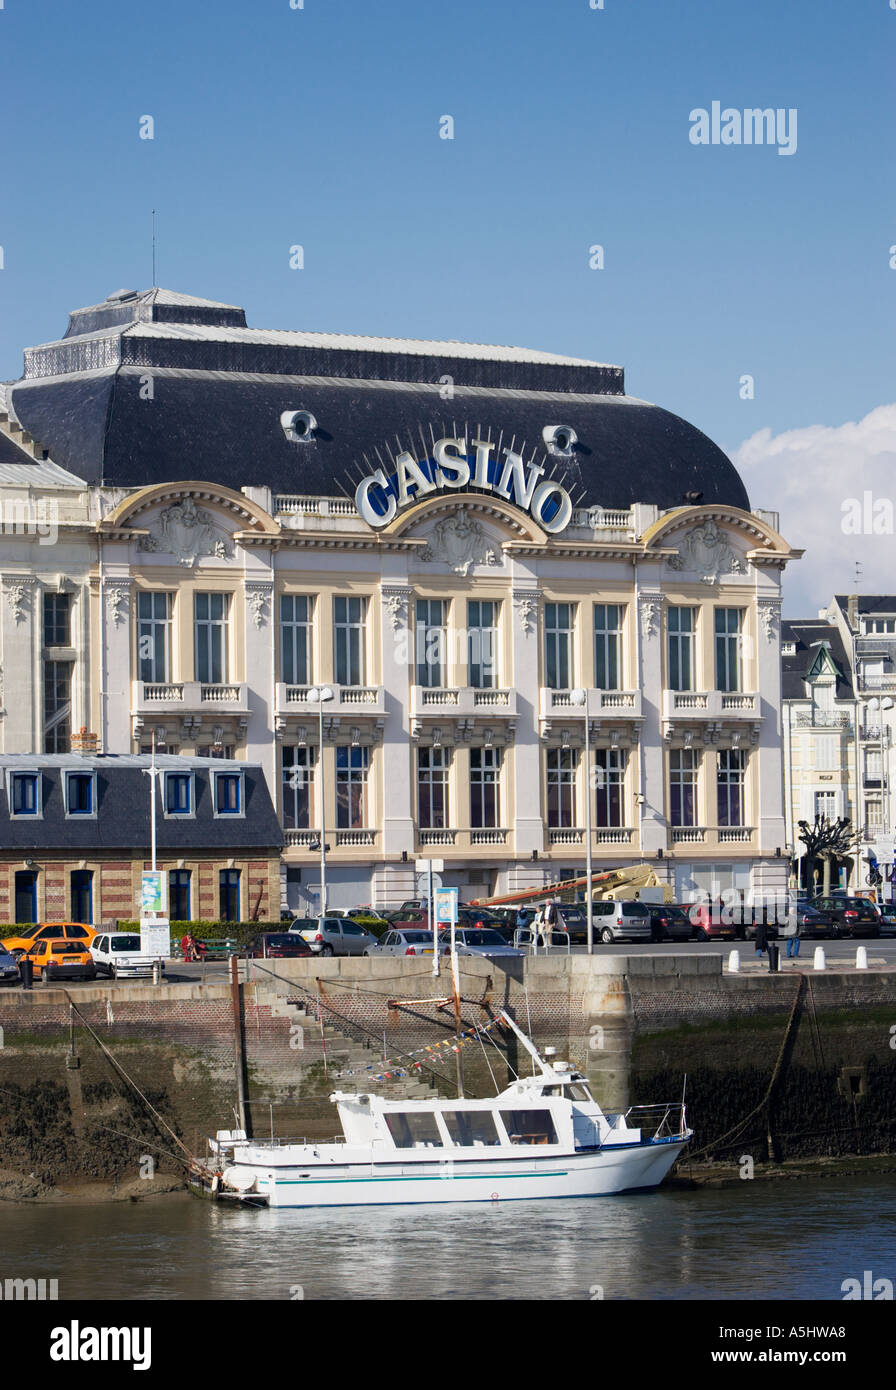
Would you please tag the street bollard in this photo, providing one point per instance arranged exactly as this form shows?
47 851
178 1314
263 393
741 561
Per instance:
819 962
861 958
773 957
157 972
733 962
26 972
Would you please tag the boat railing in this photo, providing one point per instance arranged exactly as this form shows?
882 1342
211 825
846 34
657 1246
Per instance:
668 1116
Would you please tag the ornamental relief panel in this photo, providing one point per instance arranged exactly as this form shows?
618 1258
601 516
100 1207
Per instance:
189 533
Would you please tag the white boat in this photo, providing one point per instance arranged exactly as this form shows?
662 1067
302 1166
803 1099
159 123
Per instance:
544 1136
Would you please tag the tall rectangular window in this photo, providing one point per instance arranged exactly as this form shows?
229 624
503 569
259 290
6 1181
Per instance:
431 641
559 622
681 625
432 788
229 894
25 793
485 787
179 895
728 624
607 645
683 786
826 805
295 638
178 798
82 895
57 620
79 793
57 706
731 777
609 782
26 895
297 768
482 644
211 627
154 637
350 625
562 764
352 765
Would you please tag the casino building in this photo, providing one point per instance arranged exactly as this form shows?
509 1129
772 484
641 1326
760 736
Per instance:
474 549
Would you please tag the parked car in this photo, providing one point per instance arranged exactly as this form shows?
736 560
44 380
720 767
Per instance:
408 942
61 960
48 931
813 923
716 921
335 936
852 916
622 919
478 941
410 919
277 945
366 917
9 968
669 922
118 953
887 918
475 916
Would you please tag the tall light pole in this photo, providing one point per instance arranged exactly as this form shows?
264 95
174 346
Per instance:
580 697
318 695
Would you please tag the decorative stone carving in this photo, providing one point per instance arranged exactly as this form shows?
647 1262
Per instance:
259 595
461 542
18 596
770 617
188 533
526 603
104 500
395 602
649 610
706 552
118 600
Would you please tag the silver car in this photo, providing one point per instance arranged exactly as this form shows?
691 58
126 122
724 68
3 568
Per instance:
478 941
335 936
407 942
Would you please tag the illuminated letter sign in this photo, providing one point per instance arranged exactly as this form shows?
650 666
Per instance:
379 498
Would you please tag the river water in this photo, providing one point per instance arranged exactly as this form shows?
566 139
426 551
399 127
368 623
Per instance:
768 1240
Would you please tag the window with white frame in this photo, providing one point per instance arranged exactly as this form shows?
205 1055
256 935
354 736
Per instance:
349 639
482 644
80 793
24 794
178 794
485 787
826 748
559 625
154 636
730 785
352 766
825 805
728 628
297 769
296 612
431 641
681 626
211 626
228 789
433 766
683 769
609 786
562 766
607 646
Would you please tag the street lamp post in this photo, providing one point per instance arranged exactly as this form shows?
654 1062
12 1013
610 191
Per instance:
580 697
318 695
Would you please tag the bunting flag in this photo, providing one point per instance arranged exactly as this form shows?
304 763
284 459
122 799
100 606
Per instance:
395 1070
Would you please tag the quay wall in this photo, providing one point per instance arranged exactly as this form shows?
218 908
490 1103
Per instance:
94 1079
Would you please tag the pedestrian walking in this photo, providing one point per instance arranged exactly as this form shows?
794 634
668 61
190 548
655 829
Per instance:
761 936
793 936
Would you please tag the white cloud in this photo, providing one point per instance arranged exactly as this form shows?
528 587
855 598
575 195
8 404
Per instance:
808 475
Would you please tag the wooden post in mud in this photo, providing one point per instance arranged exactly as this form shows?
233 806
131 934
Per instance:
238 1044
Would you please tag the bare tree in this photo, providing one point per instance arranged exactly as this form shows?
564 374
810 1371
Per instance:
827 839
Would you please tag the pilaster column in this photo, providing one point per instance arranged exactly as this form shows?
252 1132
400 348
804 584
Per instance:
117 597
652 811
528 826
259 674
397 673
22 702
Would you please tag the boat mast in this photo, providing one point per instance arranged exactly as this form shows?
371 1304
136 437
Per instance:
527 1044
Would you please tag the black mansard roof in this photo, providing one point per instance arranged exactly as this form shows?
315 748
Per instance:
808 636
122 821
218 389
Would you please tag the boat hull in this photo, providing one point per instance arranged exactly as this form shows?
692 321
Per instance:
596 1173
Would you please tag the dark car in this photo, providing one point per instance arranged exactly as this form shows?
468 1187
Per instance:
887 918
851 916
269 945
813 923
716 921
9 968
669 922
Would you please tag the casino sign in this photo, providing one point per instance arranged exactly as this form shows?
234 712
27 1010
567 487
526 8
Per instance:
457 465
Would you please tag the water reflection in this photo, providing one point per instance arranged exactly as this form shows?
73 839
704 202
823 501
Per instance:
786 1241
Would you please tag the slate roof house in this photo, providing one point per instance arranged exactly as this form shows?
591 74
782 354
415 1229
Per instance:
75 836
449 539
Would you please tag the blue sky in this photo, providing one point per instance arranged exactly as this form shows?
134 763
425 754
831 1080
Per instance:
320 126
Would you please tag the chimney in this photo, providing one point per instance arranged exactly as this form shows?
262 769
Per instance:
84 743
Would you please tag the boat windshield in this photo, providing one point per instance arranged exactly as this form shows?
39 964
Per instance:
571 1090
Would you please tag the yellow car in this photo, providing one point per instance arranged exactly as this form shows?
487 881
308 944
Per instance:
61 960
19 945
